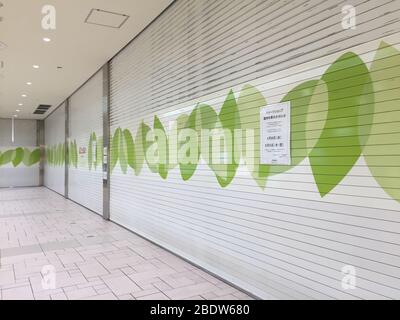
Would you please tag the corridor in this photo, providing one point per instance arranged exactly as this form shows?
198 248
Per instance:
42 235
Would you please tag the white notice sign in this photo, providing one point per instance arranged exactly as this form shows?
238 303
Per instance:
275 134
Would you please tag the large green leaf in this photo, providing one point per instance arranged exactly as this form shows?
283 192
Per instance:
301 104
34 157
7 157
382 152
203 117
18 157
339 145
317 114
229 121
161 141
249 104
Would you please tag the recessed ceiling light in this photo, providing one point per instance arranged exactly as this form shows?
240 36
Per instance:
17 110
35 66
23 95
20 104
29 83
46 39
15 116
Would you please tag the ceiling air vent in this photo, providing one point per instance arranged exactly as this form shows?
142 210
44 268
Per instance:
106 18
42 108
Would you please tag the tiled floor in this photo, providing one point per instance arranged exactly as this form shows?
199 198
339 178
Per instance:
52 248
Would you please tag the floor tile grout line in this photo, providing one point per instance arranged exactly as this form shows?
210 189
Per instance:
106 237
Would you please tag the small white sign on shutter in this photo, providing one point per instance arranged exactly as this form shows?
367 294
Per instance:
275 134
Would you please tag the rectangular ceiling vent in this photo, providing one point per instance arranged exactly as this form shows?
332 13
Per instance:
106 18
42 109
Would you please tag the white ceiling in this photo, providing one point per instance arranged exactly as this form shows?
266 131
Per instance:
80 48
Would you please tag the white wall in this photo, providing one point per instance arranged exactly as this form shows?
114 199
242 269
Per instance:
54 174
25 137
86 184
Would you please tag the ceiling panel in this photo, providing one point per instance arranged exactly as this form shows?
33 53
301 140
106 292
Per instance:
77 49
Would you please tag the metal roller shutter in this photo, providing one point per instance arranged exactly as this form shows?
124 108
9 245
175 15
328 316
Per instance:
85 181
299 231
54 172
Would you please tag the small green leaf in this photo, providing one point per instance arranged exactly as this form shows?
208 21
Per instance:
147 142
63 153
59 154
99 152
130 146
139 148
90 152
18 157
162 146
34 157
122 153
75 154
203 117
115 142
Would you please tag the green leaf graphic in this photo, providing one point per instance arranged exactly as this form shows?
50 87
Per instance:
75 154
174 147
122 153
90 152
250 103
18 157
346 80
115 143
34 157
229 121
130 149
99 152
139 148
300 102
316 117
382 152
147 143
162 147
203 117
6 157
63 153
